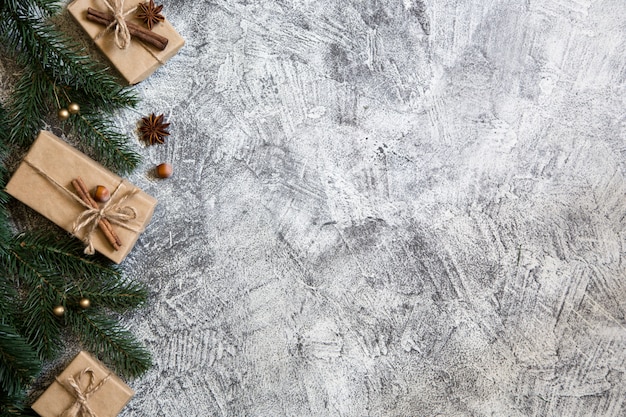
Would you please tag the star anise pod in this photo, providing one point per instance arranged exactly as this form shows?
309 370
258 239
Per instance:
153 129
149 13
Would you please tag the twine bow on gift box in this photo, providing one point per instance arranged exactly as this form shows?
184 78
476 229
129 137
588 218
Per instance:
113 211
123 29
96 216
122 34
80 407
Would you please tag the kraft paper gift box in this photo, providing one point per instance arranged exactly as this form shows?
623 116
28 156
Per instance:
44 178
106 393
139 60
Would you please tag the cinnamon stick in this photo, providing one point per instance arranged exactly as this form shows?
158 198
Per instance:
147 36
103 224
93 204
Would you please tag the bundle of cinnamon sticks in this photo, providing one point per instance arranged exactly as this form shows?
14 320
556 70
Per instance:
104 225
147 36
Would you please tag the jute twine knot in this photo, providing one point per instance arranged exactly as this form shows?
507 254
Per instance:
114 212
122 34
80 407
88 219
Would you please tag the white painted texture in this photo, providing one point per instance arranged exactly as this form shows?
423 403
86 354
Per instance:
387 208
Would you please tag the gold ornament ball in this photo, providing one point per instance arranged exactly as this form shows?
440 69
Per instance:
73 108
58 311
63 114
84 303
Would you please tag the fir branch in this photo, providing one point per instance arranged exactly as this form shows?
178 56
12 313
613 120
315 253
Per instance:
26 268
119 295
39 7
13 405
108 146
5 231
48 8
65 253
37 43
57 274
93 277
33 95
18 362
39 325
29 102
44 289
8 296
54 63
115 345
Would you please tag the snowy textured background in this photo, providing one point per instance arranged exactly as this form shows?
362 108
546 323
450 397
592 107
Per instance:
386 208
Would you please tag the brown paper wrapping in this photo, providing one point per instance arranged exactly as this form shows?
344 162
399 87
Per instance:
64 163
139 60
108 401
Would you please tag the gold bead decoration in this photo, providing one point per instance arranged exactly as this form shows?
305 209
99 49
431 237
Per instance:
58 311
63 114
84 303
73 108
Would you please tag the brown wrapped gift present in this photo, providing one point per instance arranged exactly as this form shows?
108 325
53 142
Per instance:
139 59
85 377
43 181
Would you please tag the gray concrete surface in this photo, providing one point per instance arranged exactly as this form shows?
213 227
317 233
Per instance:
387 208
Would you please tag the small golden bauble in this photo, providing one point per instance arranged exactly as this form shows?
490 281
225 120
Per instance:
58 311
73 108
84 303
63 114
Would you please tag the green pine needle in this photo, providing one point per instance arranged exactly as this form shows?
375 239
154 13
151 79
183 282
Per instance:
5 231
29 103
48 8
107 145
18 362
39 325
42 44
13 405
91 277
65 254
44 8
57 72
54 271
44 290
116 346
32 96
119 295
